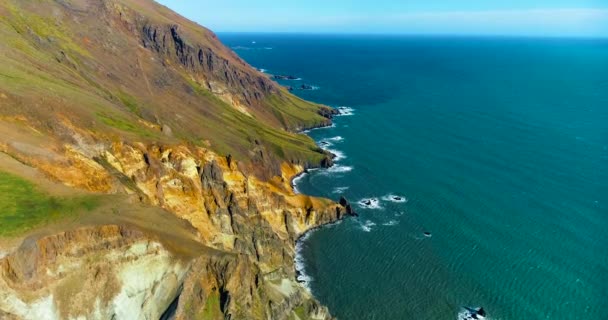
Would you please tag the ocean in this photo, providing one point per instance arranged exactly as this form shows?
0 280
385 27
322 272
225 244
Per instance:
479 168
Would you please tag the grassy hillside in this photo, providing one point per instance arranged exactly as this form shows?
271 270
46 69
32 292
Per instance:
24 207
134 70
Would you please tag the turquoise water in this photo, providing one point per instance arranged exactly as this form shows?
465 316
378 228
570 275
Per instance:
500 147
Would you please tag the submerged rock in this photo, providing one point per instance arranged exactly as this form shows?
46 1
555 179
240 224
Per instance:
284 77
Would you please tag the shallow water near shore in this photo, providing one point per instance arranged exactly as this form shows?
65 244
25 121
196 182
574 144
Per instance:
496 147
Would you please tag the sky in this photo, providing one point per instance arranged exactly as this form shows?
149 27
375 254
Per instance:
585 18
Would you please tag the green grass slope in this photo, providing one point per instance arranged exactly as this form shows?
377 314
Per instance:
23 206
124 69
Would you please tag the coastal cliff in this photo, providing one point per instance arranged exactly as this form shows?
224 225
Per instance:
147 170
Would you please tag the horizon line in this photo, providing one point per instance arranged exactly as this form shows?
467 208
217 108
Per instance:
414 34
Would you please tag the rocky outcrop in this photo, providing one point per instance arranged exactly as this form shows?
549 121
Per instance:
221 76
107 272
348 207
250 226
284 77
328 113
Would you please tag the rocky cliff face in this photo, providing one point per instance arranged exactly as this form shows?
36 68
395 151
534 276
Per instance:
106 272
124 99
247 227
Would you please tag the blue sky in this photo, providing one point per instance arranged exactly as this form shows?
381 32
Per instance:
587 18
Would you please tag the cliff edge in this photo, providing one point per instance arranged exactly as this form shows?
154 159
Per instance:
145 170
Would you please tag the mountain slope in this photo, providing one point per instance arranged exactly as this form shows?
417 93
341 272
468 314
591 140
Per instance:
157 166
133 67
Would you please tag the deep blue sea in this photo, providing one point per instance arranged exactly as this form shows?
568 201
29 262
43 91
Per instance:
499 145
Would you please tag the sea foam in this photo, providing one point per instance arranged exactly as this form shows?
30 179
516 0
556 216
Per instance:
367 226
339 154
336 139
333 125
346 111
391 223
336 169
370 203
294 182
394 198
340 190
299 262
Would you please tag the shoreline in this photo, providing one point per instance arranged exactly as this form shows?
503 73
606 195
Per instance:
299 259
301 277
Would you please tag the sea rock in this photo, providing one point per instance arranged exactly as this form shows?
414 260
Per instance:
284 77
348 207
327 162
328 112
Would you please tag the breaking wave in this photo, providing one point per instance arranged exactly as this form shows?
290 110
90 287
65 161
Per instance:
346 111
394 198
339 154
340 190
391 223
367 225
370 203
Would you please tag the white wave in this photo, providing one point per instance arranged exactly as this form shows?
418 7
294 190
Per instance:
333 125
298 259
309 88
346 111
328 142
262 70
339 154
324 143
394 198
370 203
465 314
336 169
294 182
367 226
300 266
391 223
340 190
250 48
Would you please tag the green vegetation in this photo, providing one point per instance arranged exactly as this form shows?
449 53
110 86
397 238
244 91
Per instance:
212 307
35 70
126 125
130 102
24 207
234 132
24 21
300 312
294 111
